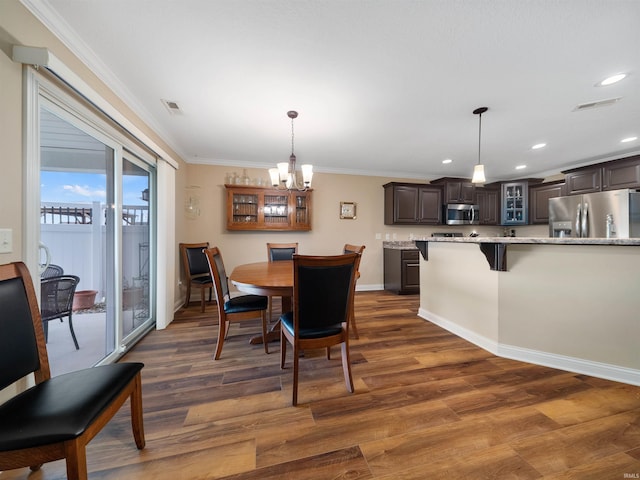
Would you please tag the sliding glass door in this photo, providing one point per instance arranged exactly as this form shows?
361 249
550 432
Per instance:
96 222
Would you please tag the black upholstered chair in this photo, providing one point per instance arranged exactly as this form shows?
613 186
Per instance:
56 302
233 309
59 416
196 270
322 294
275 253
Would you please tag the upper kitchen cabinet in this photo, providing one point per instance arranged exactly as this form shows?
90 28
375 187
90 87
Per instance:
515 196
488 201
623 173
583 181
515 201
539 196
259 208
456 190
412 204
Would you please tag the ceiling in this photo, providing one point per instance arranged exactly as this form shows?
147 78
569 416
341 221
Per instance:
382 87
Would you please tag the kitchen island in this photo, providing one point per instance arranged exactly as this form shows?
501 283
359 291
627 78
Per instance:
567 303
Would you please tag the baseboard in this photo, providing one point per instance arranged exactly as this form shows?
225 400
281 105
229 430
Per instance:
561 362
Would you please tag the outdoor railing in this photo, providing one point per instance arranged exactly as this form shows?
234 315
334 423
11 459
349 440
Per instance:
80 215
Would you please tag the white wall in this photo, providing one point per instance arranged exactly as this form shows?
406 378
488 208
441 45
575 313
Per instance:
573 307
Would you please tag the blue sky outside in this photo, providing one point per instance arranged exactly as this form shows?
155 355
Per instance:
71 187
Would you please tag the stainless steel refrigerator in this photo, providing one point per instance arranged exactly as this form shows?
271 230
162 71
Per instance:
613 214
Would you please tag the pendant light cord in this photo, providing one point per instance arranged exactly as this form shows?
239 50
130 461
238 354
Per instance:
479 138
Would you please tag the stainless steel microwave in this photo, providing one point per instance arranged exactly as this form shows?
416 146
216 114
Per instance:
461 214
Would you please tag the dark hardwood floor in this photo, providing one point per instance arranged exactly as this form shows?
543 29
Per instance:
427 405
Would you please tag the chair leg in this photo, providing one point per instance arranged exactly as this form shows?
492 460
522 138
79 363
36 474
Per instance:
45 325
76 457
222 330
202 293
263 316
73 334
296 364
346 366
188 296
352 318
137 422
283 349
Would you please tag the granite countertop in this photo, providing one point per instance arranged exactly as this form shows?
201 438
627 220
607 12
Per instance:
400 245
532 240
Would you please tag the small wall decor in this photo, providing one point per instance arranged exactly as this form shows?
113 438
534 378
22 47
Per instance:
348 210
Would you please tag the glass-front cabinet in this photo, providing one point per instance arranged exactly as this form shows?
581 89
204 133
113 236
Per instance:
259 208
515 203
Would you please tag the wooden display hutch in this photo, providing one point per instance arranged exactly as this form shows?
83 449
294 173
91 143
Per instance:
260 208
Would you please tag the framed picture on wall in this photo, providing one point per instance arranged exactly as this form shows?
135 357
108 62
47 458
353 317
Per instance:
348 210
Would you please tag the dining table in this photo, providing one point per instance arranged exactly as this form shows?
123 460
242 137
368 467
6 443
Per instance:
269 279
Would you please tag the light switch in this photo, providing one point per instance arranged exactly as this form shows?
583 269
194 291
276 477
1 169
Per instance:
6 240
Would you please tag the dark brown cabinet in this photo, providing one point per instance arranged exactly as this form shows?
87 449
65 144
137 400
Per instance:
412 204
402 271
456 190
623 173
584 181
539 196
488 201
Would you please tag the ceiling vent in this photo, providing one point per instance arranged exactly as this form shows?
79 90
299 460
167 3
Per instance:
172 107
598 103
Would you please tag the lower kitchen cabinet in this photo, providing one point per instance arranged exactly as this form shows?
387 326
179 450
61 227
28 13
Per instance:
402 270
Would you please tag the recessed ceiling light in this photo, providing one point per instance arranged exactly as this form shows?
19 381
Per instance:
611 80
628 139
538 145
447 160
521 167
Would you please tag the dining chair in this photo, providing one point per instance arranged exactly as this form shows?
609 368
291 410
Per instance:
56 302
58 416
196 271
323 288
359 249
233 309
277 252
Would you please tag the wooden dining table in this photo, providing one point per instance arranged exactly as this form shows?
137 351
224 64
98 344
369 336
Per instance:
269 279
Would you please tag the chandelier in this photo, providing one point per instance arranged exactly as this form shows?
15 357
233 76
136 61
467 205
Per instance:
478 170
285 177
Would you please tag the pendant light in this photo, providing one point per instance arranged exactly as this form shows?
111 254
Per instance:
478 170
285 176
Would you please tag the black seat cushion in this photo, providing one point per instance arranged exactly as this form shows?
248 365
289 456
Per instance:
246 303
286 321
202 280
63 407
